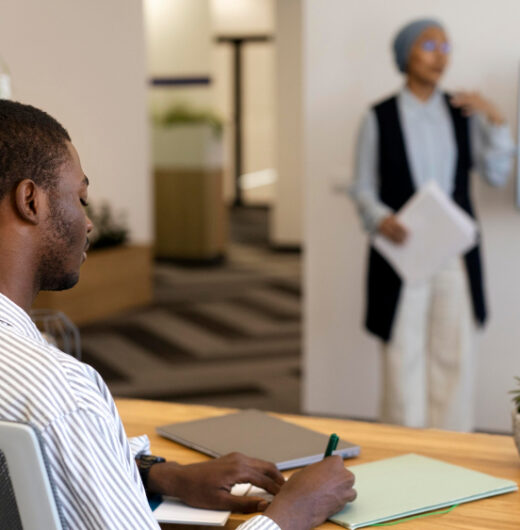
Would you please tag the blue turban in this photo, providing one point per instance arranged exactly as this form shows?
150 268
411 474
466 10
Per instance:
406 37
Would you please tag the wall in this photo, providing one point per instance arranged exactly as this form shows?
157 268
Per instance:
242 18
178 37
67 58
347 65
286 221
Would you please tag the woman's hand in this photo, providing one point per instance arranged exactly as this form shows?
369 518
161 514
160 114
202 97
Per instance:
393 230
473 103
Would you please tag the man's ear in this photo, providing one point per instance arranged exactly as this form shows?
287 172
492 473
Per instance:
29 201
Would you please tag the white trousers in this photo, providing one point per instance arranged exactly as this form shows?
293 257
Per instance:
429 363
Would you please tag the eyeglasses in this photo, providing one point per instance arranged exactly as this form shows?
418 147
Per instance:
431 45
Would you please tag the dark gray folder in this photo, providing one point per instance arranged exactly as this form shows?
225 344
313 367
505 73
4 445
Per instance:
258 435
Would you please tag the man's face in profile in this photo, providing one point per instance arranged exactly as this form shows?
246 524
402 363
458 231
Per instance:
66 227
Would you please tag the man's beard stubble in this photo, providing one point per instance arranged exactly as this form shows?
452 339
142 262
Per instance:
53 273
53 276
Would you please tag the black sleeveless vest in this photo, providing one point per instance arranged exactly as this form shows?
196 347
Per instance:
395 188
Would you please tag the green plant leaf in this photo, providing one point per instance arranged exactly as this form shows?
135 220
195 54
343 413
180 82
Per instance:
108 231
184 114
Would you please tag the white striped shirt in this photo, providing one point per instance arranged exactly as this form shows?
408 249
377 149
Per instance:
92 461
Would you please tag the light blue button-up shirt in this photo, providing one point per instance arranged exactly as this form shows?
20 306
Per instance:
431 150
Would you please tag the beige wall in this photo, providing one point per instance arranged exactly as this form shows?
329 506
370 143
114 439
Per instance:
242 17
84 63
347 66
178 38
286 220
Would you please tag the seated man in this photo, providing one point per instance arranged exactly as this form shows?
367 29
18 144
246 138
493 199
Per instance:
43 242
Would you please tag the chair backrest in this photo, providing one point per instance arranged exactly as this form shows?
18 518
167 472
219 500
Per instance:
27 497
58 330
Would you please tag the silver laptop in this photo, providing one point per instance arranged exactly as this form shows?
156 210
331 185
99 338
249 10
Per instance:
258 435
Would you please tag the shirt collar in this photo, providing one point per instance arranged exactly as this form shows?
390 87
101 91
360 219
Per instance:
413 103
18 320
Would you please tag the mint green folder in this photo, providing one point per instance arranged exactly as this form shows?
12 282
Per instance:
410 484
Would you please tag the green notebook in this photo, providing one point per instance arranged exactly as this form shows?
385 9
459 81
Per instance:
406 485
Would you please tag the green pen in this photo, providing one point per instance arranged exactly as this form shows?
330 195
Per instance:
331 446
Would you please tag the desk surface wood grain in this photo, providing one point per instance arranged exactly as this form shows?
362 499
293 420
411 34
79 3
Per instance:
491 454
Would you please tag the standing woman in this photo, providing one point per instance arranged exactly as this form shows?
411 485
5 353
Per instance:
418 135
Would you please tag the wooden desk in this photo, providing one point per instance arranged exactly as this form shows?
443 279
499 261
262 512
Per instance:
482 452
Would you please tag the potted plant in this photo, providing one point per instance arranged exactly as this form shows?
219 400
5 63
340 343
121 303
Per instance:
516 413
108 231
190 213
185 136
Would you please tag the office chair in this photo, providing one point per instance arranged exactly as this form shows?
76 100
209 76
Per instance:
28 499
58 329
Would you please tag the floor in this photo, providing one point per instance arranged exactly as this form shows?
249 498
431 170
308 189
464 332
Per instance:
227 335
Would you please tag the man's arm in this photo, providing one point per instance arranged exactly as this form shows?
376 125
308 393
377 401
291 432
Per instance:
208 484
303 502
312 495
95 476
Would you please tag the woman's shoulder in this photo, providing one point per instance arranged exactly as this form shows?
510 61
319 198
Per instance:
385 101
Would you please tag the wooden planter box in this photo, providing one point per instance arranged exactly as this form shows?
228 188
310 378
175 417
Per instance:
111 280
190 214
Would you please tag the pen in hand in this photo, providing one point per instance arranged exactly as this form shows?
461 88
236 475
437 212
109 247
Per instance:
331 446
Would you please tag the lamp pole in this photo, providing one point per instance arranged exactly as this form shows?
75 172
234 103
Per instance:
237 43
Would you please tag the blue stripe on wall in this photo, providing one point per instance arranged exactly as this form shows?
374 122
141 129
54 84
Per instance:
179 81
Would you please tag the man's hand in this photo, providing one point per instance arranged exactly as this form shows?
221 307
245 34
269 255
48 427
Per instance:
208 484
393 230
312 495
473 102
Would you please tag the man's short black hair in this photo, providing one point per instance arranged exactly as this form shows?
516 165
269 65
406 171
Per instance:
32 145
